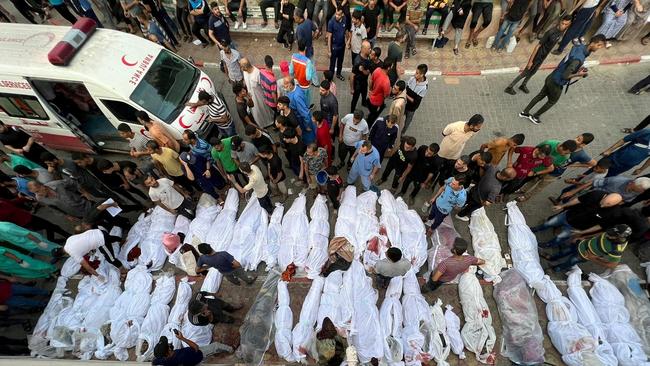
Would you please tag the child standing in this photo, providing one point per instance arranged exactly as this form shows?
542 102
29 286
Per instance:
285 33
329 76
334 184
323 137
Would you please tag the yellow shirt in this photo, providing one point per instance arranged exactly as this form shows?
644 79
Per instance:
169 160
452 145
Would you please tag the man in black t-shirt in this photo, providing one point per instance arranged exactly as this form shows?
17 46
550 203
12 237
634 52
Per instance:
515 13
540 52
370 16
206 308
19 142
359 77
285 33
402 162
260 138
218 28
294 149
425 170
275 171
580 213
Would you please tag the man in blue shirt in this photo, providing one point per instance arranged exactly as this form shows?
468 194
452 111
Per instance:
449 196
224 262
628 152
628 188
197 145
338 37
165 354
305 30
365 166
299 105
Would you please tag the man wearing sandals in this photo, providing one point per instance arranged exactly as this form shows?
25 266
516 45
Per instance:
411 26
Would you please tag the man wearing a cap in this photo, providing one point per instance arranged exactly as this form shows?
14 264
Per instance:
165 354
605 249
202 172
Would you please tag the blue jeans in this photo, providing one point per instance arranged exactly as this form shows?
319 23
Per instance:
437 216
17 301
228 131
558 220
502 38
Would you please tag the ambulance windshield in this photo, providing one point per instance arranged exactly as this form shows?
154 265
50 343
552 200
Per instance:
166 87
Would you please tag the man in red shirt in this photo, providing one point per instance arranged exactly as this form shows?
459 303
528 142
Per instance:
11 212
379 90
529 158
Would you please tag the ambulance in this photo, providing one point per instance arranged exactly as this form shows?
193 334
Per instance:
70 87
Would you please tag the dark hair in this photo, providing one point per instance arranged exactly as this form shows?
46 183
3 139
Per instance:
22 170
331 170
385 65
245 167
195 306
460 246
567 17
394 254
328 330
161 349
587 138
434 147
282 120
401 85
78 155
570 145
598 38
486 156
204 248
328 75
103 164
236 140
476 120
205 96
338 8
325 84
358 114
460 178
237 88
423 68
250 130
268 61
546 149
318 115
356 14
518 138
604 163
289 133
392 118
302 44
377 51
312 147
215 141
214 4
152 145
143 115
409 140
123 127
366 143
265 149
47 156
284 100
190 134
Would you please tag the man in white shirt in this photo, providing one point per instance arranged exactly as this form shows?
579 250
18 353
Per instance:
354 128
256 183
77 246
165 194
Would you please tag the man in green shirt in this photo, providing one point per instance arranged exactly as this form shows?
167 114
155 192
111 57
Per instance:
605 249
222 157
560 153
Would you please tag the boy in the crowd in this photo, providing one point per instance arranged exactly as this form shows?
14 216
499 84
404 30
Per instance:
334 185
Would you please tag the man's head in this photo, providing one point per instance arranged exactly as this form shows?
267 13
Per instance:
461 163
639 185
457 182
567 147
618 233
82 160
394 254
281 122
317 117
37 187
302 44
266 152
357 116
401 35
475 123
106 166
372 4
611 200
238 90
325 87
23 171
332 172
268 61
163 349
214 7
205 98
252 131
518 139
142 117
198 308
245 168
432 150
283 101
356 18
460 246
483 158
245 64
237 144
542 151
150 181
366 48
153 147
409 143
399 87
216 143
385 66
338 14
565 22
584 139
506 174
227 48
597 42
289 136
602 165
205 248
366 147
189 137
421 72
49 159
375 54
124 131
298 17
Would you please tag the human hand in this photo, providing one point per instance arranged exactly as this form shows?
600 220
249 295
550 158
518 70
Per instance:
401 179
639 7
531 173
230 177
557 208
606 153
618 13
207 174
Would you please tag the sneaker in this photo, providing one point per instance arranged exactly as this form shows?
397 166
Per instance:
524 115
534 119
510 90
557 52
462 218
236 25
244 26
524 88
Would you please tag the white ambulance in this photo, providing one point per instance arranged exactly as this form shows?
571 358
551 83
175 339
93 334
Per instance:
71 87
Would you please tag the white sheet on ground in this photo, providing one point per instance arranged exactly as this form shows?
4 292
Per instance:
206 212
453 332
221 229
346 219
523 246
414 238
391 317
249 239
177 313
152 250
367 229
295 228
319 231
304 334
478 333
636 301
330 302
284 324
486 245
442 240
273 236
156 317
389 219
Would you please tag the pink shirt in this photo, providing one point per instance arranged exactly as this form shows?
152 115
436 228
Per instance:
453 266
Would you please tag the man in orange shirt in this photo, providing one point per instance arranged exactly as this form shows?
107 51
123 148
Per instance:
158 132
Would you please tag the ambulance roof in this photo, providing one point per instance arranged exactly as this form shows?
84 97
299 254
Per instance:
115 60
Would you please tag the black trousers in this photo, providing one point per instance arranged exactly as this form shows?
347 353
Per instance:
285 35
275 4
234 11
443 14
360 90
199 25
472 204
550 90
374 112
641 84
344 151
39 224
308 5
416 181
25 9
182 17
336 60
65 13
266 203
393 164
525 74
187 209
107 249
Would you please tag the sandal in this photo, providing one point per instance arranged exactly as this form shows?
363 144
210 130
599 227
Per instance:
340 77
467 44
424 32
626 130
414 52
475 42
645 41
456 51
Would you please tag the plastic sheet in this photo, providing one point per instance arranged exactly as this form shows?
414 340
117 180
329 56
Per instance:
255 332
283 324
414 239
221 229
153 252
273 236
523 246
318 237
295 227
477 333
206 213
522 335
249 239
177 313
346 219
391 317
330 302
486 245
636 301
442 241
304 334
156 317
367 224
389 219
610 307
452 321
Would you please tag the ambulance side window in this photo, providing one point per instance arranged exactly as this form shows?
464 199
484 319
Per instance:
122 111
22 106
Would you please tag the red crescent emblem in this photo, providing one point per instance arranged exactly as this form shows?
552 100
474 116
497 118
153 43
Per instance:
127 63
180 122
208 80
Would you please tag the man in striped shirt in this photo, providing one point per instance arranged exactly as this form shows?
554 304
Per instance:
269 84
451 267
217 113
302 69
